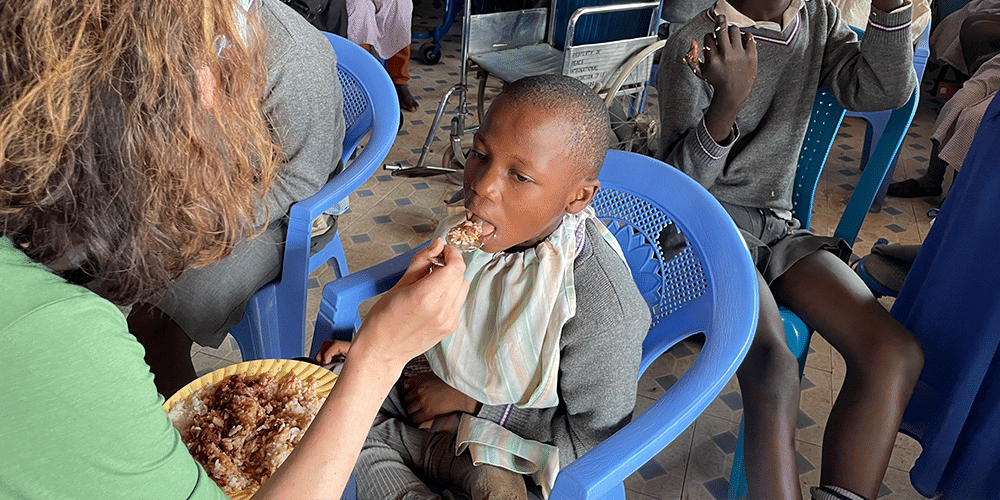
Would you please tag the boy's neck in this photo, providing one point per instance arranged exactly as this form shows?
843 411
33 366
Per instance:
762 10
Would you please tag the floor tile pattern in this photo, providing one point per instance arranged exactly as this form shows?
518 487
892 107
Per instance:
390 215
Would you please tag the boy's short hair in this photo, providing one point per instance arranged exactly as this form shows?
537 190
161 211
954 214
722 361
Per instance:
579 105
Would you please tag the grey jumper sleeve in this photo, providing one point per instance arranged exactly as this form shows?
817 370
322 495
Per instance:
877 75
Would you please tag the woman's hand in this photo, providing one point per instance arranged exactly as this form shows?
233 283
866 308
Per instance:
419 311
730 67
428 397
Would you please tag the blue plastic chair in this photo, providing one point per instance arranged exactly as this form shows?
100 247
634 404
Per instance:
274 323
877 121
709 286
827 115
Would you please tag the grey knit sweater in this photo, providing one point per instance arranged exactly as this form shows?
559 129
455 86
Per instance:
757 168
304 104
600 349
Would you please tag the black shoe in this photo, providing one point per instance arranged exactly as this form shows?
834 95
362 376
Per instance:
911 188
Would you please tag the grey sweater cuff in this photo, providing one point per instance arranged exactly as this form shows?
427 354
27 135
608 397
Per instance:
707 145
492 413
890 27
500 415
511 417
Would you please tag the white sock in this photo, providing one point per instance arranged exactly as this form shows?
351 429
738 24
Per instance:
828 492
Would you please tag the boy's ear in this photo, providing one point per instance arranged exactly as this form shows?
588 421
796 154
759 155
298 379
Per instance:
580 197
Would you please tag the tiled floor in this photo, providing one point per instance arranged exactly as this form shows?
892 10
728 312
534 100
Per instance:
390 215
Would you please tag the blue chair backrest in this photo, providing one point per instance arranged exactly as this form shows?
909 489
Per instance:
707 284
599 27
688 284
274 321
358 112
827 114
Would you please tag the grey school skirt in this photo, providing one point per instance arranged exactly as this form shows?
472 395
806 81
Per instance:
776 244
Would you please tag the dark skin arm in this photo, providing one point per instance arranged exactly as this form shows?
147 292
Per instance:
731 62
428 397
730 67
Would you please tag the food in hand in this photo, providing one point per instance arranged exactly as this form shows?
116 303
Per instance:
693 57
466 236
243 427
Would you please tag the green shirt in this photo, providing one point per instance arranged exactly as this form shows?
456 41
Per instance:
79 415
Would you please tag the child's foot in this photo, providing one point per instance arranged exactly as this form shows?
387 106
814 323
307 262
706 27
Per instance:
406 100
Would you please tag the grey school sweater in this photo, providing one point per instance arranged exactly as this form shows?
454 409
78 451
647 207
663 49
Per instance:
304 104
600 349
818 49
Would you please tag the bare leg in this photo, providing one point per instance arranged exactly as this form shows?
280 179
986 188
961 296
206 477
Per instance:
168 348
769 382
883 363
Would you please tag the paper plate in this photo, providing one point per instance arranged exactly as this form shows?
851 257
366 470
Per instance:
306 372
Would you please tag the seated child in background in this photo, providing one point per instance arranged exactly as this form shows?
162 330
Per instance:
736 125
550 296
969 41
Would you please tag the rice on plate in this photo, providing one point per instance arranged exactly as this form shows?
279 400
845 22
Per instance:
241 422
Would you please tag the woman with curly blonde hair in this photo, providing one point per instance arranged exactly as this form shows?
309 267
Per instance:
303 103
133 147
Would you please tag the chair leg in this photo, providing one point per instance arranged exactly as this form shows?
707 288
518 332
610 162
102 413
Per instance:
738 477
244 332
339 260
258 334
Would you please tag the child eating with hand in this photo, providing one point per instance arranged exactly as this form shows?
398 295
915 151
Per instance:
734 120
523 386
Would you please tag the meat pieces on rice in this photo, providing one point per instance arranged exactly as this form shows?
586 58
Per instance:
243 427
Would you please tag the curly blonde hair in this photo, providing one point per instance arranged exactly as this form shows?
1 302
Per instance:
107 149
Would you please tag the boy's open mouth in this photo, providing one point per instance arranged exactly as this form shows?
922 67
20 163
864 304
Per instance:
489 229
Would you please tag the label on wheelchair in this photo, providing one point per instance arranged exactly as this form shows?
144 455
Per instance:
596 63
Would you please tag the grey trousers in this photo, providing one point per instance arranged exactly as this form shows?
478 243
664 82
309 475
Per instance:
397 458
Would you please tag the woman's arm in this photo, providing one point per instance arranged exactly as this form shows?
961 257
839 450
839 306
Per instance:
420 310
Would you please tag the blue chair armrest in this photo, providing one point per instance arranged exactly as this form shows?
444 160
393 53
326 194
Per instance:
608 464
338 311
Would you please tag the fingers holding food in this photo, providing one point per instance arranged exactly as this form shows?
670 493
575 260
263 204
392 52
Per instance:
693 56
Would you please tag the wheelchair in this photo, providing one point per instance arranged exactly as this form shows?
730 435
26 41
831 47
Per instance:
610 47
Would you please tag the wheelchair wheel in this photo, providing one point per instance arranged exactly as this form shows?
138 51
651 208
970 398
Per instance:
429 53
632 104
